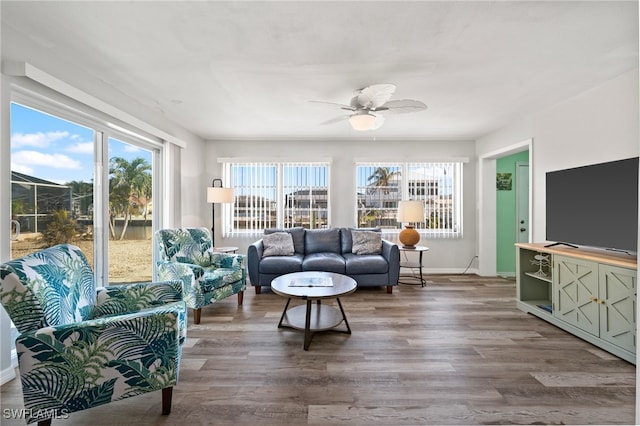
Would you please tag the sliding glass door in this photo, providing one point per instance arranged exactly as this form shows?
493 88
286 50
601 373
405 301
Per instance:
130 212
57 166
52 174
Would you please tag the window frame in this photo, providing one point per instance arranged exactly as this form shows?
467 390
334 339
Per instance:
279 205
104 128
420 190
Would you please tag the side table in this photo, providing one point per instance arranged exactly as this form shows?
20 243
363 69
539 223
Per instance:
413 264
229 249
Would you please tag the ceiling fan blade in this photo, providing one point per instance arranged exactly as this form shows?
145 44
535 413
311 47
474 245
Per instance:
403 106
376 95
335 120
342 106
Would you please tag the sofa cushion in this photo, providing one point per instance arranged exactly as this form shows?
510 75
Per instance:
297 234
346 239
357 264
366 242
328 262
322 241
280 264
278 244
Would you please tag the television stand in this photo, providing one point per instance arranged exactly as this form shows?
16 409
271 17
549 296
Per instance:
588 292
561 244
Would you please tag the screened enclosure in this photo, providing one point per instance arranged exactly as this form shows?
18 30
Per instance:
34 199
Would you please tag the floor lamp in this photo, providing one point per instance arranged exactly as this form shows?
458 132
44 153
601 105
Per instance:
410 211
217 194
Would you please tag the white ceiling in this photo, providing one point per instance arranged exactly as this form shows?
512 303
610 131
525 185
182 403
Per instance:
247 70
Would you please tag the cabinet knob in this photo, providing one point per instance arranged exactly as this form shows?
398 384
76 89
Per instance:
593 299
601 302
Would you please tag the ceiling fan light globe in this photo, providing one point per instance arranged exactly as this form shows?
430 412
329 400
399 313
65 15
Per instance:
362 122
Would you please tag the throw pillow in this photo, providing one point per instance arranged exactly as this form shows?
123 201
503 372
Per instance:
366 242
277 244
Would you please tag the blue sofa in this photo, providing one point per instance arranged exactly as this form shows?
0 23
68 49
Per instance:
328 250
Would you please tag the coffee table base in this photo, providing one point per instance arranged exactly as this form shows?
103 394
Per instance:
313 317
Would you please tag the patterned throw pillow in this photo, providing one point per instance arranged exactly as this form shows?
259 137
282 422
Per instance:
366 242
277 244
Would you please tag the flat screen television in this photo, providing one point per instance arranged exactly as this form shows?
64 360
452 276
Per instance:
594 205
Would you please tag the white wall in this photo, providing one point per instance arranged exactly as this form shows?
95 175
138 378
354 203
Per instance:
444 256
6 370
194 185
596 126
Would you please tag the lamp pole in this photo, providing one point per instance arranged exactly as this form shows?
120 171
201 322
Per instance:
217 194
213 215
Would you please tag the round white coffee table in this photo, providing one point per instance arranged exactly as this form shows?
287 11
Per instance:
310 286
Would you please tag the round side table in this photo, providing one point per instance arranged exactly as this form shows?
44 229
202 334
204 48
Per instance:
413 264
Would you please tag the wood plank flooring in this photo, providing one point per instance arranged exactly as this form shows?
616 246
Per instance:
457 351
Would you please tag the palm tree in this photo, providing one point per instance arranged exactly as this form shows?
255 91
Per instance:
381 178
130 183
82 194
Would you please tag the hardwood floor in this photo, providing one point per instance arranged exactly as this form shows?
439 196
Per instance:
457 351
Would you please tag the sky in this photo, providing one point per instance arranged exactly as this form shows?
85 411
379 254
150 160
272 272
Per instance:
56 150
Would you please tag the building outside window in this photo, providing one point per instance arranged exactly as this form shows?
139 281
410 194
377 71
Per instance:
276 195
380 186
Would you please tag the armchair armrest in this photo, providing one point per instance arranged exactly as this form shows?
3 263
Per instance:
127 298
227 260
94 362
254 254
187 273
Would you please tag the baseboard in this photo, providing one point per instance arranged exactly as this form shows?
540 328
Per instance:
451 271
7 374
507 274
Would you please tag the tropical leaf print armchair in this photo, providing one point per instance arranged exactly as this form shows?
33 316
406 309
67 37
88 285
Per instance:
81 346
187 254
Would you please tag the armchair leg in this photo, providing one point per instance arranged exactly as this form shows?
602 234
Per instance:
389 289
197 313
167 393
258 289
240 297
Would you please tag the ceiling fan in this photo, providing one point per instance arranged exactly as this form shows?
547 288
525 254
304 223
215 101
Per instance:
370 105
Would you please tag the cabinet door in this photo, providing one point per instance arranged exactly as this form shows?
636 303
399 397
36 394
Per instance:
617 299
575 284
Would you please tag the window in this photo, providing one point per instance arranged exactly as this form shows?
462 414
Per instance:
282 195
57 170
381 185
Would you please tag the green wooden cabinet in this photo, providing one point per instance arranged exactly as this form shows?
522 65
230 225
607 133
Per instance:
617 301
575 284
592 294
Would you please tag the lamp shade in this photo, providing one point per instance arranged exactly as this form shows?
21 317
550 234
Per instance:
411 211
362 121
217 194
